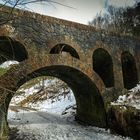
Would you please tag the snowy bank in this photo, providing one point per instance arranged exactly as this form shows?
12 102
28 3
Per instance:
132 98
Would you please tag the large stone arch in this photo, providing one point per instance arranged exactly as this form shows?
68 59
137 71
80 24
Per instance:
90 103
129 70
103 66
11 49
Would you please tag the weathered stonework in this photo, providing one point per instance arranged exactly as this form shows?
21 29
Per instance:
124 120
29 39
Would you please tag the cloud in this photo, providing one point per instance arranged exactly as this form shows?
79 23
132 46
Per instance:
82 11
122 3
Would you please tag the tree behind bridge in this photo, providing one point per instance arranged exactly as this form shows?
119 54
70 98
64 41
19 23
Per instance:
120 20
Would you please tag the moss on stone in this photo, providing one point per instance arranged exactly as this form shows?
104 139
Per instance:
2 71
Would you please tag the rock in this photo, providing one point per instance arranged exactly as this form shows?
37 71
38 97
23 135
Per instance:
124 120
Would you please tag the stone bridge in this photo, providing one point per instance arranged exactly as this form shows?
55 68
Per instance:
98 66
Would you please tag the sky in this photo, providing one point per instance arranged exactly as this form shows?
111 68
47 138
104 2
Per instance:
81 11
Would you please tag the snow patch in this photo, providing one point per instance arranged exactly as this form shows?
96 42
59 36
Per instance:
132 98
50 126
57 105
8 64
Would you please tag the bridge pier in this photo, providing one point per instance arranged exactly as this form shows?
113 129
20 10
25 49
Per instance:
118 75
92 118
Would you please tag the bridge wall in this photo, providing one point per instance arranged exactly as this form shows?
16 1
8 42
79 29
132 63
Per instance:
43 33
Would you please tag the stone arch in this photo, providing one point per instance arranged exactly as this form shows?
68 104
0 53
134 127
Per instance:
129 70
90 104
61 48
103 66
11 50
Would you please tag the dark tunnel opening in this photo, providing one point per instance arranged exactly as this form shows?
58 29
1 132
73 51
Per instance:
103 65
130 77
11 50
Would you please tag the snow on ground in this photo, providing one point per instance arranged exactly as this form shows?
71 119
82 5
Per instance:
56 105
29 91
132 98
53 120
50 126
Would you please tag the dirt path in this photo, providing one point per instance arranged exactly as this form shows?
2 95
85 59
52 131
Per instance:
33 125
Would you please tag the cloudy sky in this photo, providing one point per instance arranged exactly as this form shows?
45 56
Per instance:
82 11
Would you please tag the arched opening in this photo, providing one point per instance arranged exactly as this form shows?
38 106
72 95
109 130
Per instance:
64 48
11 50
90 106
103 66
130 77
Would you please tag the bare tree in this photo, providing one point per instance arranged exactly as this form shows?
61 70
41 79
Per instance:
24 3
121 20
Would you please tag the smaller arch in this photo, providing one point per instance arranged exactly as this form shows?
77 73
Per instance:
129 70
60 48
103 66
11 50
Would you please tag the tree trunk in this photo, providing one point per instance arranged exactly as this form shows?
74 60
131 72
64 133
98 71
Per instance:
4 129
